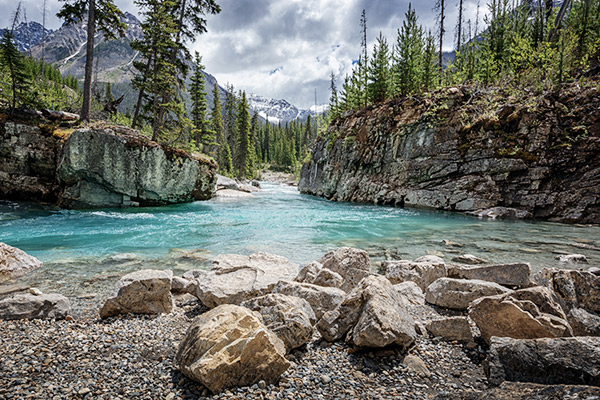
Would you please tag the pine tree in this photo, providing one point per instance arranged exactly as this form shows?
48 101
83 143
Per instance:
243 158
379 74
408 56
334 110
429 77
12 61
440 8
224 151
201 132
363 61
101 14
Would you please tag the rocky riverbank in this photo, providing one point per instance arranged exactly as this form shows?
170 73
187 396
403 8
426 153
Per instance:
491 152
418 329
107 166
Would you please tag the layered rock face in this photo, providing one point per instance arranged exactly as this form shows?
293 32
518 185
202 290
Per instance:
98 168
455 153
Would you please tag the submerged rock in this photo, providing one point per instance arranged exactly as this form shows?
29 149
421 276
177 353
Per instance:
572 361
141 292
235 278
572 259
35 305
230 346
15 262
469 259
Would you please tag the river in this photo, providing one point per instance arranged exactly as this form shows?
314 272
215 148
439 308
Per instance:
82 248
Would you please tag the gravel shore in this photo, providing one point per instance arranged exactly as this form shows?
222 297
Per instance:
131 357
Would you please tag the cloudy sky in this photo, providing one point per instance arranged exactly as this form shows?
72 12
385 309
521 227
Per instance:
288 48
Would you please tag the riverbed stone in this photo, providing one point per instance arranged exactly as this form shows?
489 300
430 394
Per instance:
224 182
15 262
469 259
573 361
523 314
572 259
35 305
410 292
352 264
235 278
320 298
511 275
526 391
459 293
575 288
230 346
290 318
141 292
182 285
372 316
451 328
422 271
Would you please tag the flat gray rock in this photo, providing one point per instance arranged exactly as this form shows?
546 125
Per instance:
35 306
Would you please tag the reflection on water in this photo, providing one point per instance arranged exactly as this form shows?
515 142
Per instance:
90 247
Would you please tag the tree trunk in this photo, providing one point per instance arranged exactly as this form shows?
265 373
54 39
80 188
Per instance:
459 32
138 105
89 62
441 34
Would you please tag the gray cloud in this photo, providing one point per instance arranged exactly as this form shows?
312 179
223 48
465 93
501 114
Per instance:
287 48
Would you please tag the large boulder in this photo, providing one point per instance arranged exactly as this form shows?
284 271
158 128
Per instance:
230 346
235 278
526 391
98 168
320 298
146 291
572 361
512 275
372 315
35 305
351 264
423 271
523 314
290 318
15 262
410 292
575 288
459 293
317 275
451 328
584 323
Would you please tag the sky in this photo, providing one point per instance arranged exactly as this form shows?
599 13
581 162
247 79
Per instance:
287 49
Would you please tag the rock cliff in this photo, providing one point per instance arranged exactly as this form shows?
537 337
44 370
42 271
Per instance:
97 168
467 150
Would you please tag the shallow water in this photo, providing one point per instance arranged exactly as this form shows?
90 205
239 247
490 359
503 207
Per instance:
81 248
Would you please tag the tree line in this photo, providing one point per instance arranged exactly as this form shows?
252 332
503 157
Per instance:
529 42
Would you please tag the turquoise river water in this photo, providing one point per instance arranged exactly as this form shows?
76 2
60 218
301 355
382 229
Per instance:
82 248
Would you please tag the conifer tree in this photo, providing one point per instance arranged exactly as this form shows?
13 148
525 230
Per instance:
202 133
103 15
12 61
243 158
429 77
379 74
363 60
408 71
334 111
440 8
223 149
230 108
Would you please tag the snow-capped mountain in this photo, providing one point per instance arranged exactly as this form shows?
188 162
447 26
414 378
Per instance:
279 110
27 35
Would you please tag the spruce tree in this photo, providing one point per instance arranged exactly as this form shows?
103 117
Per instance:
216 120
334 110
12 61
103 15
379 73
408 74
243 157
203 135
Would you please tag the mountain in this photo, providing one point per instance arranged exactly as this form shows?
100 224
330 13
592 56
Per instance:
279 110
27 35
113 62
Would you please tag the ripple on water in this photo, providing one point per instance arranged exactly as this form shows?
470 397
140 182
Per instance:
75 245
